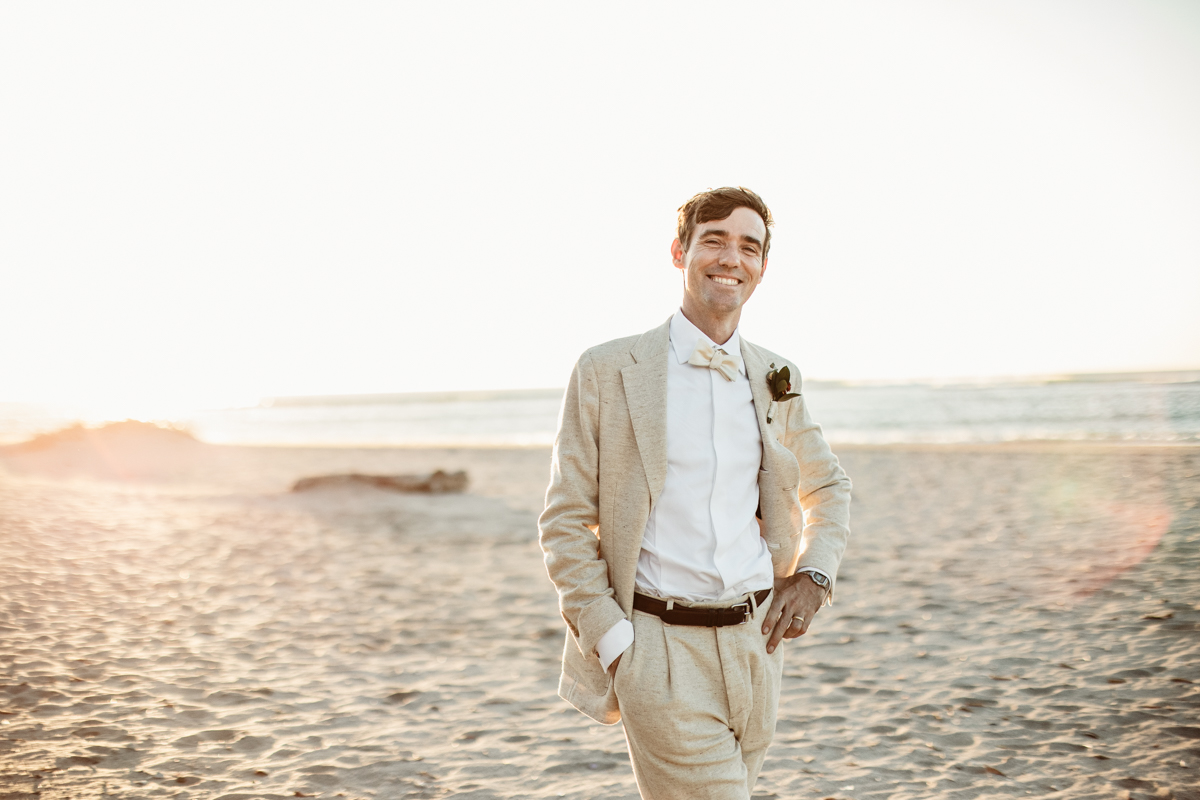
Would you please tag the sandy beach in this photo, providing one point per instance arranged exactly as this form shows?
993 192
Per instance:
1012 620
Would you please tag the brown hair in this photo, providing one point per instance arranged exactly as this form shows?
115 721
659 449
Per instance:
719 204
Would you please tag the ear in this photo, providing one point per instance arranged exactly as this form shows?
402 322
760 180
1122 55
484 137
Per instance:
763 272
677 254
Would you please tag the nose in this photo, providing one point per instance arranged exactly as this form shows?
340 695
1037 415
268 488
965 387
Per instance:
730 255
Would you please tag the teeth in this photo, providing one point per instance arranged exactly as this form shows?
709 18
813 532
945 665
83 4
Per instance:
725 281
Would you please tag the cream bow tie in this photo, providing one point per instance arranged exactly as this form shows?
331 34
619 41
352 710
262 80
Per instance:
705 355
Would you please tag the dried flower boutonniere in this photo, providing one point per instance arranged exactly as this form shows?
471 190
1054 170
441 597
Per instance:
780 383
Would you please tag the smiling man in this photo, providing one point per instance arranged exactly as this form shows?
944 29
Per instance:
695 519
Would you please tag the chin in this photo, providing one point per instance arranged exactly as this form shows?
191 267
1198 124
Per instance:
724 302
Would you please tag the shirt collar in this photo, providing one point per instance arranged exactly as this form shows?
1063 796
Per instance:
684 336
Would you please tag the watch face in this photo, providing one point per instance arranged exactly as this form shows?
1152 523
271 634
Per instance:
819 580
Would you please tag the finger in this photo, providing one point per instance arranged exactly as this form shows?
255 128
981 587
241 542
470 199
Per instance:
795 629
773 615
800 622
777 631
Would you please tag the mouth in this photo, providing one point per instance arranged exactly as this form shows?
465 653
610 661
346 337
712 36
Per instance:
724 280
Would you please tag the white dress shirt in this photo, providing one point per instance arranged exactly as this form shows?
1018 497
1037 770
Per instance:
702 540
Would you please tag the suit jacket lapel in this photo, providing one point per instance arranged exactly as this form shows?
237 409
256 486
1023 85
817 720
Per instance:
756 372
645 384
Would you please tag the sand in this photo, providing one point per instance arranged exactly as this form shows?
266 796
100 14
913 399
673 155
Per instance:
1017 620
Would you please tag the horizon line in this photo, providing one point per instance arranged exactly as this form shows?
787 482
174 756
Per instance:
373 398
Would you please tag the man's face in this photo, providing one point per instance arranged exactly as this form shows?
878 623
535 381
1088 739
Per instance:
723 264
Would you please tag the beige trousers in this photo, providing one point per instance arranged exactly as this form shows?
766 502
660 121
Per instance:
698 705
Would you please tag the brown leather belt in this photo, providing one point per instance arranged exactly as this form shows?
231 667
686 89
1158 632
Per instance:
704 617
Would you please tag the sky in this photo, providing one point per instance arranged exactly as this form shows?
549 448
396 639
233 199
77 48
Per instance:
206 204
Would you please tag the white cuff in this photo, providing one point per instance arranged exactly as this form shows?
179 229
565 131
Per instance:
828 594
614 642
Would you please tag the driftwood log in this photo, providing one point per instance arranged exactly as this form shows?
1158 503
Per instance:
438 482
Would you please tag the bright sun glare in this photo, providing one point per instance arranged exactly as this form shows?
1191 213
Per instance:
382 199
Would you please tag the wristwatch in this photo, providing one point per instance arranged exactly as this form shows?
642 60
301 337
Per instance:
819 579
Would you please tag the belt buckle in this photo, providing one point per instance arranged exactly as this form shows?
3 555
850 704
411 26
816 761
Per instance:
747 611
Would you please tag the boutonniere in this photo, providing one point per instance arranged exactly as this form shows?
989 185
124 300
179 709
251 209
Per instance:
779 381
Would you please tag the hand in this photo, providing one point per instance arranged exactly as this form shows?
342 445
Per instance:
793 606
612 668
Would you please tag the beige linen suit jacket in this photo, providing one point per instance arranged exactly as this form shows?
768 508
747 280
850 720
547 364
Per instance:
608 470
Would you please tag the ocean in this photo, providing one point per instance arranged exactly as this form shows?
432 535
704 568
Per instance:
1148 408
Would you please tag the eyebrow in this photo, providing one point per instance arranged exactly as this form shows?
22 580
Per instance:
723 233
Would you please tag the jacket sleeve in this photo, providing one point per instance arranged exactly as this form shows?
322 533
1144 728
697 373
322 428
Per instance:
823 490
569 524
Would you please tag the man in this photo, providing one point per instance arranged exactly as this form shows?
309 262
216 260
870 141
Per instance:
695 518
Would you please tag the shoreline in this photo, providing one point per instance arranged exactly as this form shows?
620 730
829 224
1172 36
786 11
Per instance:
1061 444
1022 445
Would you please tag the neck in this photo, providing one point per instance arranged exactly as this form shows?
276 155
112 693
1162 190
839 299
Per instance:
716 327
